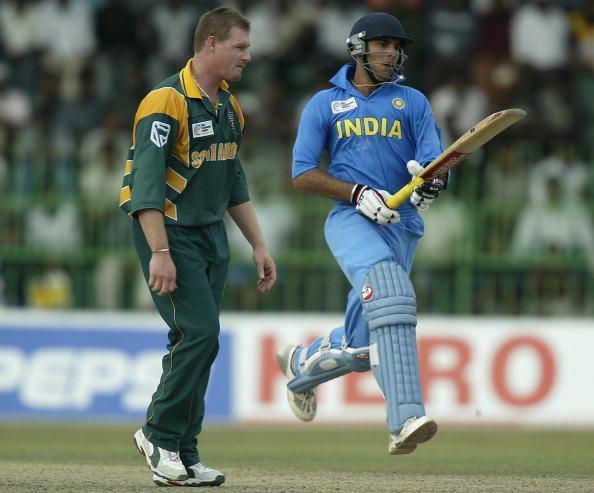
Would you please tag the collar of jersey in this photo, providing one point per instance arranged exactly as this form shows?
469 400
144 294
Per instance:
342 80
189 84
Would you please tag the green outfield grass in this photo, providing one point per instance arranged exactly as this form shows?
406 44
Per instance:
304 458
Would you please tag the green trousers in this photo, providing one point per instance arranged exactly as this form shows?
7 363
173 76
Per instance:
201 257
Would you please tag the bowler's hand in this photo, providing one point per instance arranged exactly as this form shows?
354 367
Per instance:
162 273
266 269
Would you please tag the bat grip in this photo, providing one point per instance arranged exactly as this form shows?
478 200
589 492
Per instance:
405 192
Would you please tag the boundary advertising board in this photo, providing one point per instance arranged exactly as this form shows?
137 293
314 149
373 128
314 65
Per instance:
97 365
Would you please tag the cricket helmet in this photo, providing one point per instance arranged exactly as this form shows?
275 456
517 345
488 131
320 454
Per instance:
373 26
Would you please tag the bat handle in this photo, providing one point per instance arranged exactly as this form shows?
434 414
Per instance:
405 192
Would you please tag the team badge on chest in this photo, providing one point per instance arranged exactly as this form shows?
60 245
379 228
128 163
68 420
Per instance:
398 103
202 129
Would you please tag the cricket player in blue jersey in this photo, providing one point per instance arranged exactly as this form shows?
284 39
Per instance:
377 133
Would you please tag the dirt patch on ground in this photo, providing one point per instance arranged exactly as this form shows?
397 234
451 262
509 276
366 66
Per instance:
85 478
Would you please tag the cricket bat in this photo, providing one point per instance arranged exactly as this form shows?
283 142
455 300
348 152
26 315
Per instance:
477 136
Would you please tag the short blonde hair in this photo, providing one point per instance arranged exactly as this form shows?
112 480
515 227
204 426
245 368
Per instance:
218 23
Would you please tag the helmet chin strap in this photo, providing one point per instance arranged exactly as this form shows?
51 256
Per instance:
370 72
396 77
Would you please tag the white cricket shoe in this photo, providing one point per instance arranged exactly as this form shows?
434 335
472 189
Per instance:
198 475
304 405
163 462
415 431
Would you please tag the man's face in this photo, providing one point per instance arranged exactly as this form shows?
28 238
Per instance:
232 55
381 54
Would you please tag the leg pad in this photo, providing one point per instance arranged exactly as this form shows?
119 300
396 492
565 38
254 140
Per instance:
391 312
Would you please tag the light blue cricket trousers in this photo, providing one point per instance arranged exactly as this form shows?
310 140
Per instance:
359 244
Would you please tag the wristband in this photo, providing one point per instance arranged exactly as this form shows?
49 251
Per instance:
160 250
356 192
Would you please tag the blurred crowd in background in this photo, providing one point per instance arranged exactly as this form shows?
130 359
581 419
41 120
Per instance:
513 233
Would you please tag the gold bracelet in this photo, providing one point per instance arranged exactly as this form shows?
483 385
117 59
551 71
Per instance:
160 250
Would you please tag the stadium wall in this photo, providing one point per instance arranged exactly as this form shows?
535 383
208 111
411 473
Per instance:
105 365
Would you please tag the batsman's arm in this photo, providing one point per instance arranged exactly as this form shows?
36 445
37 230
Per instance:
368 201
319 182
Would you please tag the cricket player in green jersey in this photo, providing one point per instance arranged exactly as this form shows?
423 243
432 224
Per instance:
182 174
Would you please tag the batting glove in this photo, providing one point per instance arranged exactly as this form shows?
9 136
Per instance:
427 192
371 203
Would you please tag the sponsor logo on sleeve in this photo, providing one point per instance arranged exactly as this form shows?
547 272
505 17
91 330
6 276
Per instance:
202 129
343 106
160 133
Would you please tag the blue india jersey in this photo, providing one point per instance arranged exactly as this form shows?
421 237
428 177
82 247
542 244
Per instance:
369 139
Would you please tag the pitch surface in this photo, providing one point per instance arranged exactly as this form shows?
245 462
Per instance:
304 458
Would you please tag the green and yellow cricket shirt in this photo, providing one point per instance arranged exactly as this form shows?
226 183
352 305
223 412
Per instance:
183 160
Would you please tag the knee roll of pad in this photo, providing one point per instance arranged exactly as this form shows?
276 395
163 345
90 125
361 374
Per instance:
391 312
392 298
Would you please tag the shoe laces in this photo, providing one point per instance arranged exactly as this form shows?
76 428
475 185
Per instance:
409 421
171 456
